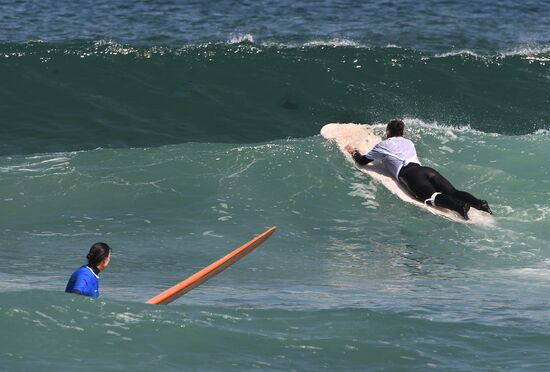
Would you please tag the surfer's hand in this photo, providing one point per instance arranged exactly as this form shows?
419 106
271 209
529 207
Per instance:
350 148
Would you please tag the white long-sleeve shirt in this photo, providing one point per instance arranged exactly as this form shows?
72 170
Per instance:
395 153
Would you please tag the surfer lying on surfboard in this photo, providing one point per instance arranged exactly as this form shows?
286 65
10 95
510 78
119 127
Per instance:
424 183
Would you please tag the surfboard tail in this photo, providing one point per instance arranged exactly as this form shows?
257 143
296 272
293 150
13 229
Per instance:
175 292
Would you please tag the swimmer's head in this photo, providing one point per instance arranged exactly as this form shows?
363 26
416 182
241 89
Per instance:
99 256
395 128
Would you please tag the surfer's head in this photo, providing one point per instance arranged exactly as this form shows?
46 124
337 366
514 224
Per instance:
395 128
99 256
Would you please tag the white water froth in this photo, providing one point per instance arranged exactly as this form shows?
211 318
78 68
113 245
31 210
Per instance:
335 43
529 52
462 52
448 130
240 38
540 272
538 53
526 51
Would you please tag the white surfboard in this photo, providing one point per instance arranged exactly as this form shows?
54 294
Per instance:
364 139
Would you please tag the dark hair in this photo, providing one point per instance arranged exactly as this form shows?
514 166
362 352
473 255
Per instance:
396 128
98 252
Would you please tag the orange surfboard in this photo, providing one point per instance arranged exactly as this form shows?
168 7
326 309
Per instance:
210 271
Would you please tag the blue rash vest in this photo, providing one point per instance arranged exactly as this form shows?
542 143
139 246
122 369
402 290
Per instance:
85 281
395 153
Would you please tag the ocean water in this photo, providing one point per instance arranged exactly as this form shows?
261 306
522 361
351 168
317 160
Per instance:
176 131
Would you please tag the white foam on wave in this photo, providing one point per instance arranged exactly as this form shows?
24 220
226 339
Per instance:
449 130
39 163
462 52
240 38
529 52
336 42
536 213
526 51
112 48
540 272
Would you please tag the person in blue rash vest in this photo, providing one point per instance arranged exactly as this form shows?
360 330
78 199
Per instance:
85 280
424 183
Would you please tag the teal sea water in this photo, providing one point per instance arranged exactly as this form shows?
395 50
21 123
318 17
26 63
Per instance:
176 132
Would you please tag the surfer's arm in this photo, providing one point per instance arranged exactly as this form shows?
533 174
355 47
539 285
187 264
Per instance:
356 155
360 159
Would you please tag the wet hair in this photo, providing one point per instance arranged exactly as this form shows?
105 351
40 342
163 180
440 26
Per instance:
98 252
396 128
